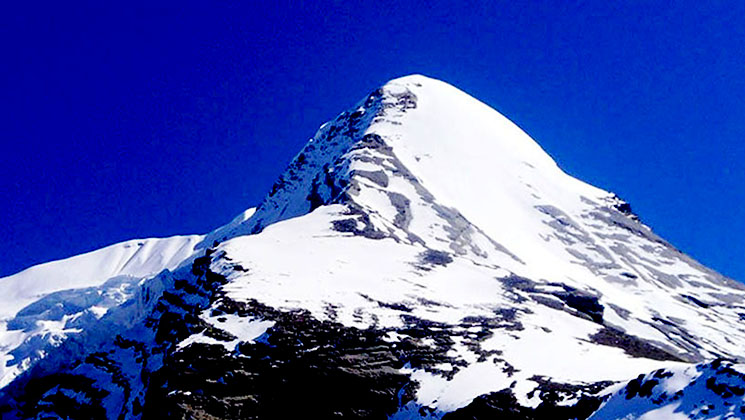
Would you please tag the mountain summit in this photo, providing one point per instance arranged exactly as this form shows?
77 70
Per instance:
421 257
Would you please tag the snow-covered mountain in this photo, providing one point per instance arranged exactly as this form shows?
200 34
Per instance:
421 257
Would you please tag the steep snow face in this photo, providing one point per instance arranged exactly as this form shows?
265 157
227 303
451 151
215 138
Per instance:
471 158
475 160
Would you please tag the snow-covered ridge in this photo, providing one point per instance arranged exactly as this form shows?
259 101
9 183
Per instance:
43 304
134 258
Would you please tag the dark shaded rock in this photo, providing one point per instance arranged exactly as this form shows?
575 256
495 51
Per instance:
351 224
632 388
723 389
624 208
583 303
548 301
405 100
504 405
517 282
372 141
662 374
314 197
631 345
345 225
51 394
497 405
403 213
329 370
395 306
696 301
434 257
377 177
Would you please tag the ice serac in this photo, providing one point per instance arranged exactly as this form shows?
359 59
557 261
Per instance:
421 257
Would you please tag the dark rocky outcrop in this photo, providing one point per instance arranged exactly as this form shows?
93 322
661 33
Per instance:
633 346
303 368
504 405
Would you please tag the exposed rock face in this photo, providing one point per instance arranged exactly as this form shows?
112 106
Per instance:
302 368
420 258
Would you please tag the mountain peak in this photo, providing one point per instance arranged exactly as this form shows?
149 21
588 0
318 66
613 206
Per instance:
412 79
433 130
438 252
426 165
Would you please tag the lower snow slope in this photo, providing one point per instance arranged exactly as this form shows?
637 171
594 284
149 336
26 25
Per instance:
495 330
713 390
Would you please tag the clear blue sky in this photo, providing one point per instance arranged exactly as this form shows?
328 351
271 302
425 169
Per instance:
120 123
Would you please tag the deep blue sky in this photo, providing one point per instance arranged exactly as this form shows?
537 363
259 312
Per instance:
122 123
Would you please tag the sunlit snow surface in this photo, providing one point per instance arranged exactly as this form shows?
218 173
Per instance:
422 206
